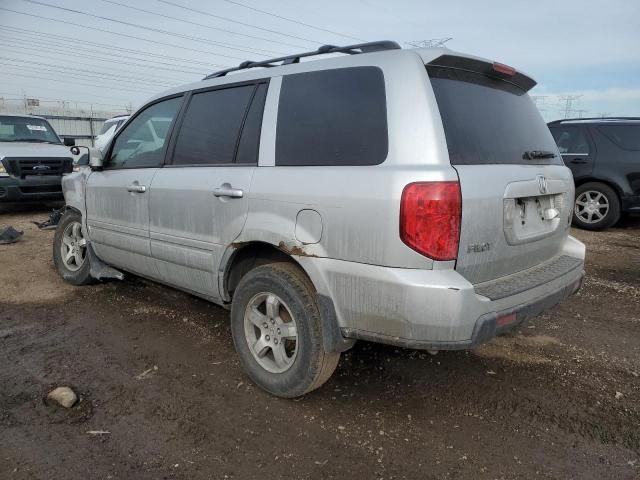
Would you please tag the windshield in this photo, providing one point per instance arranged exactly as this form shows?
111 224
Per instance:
25 129
106 126
490 121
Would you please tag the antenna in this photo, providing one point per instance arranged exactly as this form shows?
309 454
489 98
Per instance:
431 43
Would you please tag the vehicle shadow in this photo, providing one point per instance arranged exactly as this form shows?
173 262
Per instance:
630 221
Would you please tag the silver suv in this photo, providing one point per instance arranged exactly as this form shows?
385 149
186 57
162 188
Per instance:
409 197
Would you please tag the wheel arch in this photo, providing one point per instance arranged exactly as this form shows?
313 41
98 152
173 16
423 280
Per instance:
242 257
609 183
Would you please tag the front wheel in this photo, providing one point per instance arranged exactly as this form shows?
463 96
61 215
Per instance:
277 331
597 206
71 250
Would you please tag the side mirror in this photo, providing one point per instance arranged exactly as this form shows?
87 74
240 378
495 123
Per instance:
69 142
95 158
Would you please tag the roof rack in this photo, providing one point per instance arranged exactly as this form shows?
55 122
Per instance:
289 59
596 119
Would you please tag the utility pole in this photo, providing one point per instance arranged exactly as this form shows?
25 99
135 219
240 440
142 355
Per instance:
568 103
431 43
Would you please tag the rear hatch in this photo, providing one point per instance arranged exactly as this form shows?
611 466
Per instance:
516 192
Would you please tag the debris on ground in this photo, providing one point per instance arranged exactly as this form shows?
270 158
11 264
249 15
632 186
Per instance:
147 373
52 222
64 396
98 432
9 235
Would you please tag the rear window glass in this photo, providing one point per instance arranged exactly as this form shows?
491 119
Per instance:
332 117
488 120
625 136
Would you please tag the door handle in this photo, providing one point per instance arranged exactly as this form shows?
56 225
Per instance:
136 188
577 161
226 190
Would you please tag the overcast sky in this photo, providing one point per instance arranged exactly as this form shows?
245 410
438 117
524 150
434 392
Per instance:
571 47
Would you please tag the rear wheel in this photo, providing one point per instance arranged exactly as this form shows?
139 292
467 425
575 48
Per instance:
71 250
277 331
597 206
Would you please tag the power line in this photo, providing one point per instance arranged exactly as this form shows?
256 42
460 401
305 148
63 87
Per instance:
235 21
123 85
293 21
431 43
80 71
67 82
229 46
104 45
19 43
94 29
203 25
20 96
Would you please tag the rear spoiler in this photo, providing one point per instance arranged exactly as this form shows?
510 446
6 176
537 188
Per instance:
495 70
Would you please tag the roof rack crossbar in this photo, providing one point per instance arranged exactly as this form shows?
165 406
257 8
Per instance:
324 49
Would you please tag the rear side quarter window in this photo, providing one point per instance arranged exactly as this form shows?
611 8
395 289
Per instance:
332 117
626 137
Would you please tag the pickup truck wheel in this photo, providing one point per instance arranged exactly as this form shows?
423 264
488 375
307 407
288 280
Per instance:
277 331
71 251
597 206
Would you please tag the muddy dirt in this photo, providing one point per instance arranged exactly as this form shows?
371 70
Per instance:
162 393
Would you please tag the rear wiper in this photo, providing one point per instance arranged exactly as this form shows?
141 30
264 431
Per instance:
538 154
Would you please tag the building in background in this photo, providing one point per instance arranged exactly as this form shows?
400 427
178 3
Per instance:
69 119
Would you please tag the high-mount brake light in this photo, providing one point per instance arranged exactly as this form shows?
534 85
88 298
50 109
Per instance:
430 216
504 69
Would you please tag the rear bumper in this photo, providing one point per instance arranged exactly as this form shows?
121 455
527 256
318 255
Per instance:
440 309
33 188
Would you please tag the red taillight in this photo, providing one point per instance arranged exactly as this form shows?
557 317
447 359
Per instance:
504 69
430 218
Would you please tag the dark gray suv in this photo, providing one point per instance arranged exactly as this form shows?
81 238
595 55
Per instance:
604 156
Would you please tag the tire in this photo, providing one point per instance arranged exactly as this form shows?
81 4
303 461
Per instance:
597 206
75 270
273 297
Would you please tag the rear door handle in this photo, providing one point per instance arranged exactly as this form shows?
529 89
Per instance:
577 161
226 190
137 188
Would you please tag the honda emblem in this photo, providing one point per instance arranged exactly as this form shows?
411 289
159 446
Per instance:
542 183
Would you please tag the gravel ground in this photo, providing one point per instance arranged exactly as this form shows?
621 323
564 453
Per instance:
156 374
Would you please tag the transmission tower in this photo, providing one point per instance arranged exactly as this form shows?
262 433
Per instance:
539 101
431 43
568 103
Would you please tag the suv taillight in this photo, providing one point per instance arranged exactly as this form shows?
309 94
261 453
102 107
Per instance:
430 214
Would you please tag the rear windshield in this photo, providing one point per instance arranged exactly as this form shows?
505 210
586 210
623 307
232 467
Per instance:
489 121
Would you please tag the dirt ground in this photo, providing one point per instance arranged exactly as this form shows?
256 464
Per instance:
156 370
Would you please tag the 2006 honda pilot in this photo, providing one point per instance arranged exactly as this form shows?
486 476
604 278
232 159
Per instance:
409 197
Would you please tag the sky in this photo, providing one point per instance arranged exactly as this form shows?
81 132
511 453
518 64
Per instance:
588 49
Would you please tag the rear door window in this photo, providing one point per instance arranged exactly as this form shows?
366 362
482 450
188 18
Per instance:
211 126
571 140
487 120
250 138
625 136
332 117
